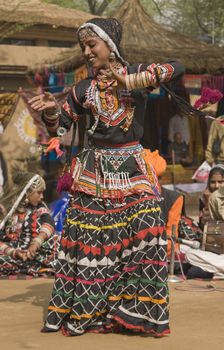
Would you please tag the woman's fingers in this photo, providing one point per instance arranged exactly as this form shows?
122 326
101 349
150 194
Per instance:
42 102
21 255
37 105
35 98
24 256
30 255
112 73
119 77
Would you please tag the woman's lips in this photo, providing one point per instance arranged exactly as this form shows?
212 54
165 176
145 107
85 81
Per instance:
91 60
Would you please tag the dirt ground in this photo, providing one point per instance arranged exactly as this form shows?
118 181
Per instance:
196 319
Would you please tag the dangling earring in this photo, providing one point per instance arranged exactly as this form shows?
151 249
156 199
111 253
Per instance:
112 56
26 200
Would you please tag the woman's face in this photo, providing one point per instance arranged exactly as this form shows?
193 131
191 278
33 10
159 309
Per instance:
96 52
216 181
35 197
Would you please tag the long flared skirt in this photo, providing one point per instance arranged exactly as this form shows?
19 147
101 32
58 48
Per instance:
112 268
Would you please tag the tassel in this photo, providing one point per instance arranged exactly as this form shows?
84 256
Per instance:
64 182
208 97
54 145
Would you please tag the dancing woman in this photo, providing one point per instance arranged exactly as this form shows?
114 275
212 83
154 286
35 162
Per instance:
112 270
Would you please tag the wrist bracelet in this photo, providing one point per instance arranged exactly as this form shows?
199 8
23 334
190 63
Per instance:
139 80
51 116
9 252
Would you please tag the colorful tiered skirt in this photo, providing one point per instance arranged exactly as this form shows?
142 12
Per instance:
112 268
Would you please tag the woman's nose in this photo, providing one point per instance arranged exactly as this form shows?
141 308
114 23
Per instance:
87 51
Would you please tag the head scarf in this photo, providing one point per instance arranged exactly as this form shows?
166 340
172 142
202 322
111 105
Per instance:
218 166
25 183
109 30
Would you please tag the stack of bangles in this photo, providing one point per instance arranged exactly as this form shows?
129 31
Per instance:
9 251
51 119
38 241
139 80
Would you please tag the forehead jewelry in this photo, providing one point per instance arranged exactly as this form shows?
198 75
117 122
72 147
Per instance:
86 33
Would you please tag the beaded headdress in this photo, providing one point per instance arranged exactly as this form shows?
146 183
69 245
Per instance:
33 182
37 184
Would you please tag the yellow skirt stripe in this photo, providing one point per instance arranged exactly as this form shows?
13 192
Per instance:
98 313
119 224
57 309
111 298
129 297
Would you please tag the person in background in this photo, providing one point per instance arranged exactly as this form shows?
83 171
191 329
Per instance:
178 151
27 241
215 181
214 152
179 123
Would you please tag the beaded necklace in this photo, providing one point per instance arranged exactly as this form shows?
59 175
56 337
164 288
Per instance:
108 93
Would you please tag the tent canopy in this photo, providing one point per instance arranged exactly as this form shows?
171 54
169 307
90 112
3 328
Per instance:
36 12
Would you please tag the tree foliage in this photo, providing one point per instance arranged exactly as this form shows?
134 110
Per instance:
197 18
201 19
96 7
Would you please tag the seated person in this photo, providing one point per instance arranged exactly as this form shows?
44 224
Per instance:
215 181
27 241
214 152
203 264
178 151
198 262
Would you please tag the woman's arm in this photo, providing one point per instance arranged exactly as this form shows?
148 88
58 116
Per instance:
46 230
154 74
64 116
55 116
148 76
12 252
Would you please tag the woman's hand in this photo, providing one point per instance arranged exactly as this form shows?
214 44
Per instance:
20 254
112 73
32 251
45 101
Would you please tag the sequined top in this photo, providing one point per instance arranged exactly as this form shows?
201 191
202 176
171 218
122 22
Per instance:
113 165
110 109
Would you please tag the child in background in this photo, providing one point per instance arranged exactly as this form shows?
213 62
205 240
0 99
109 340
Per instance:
27 241
215 181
